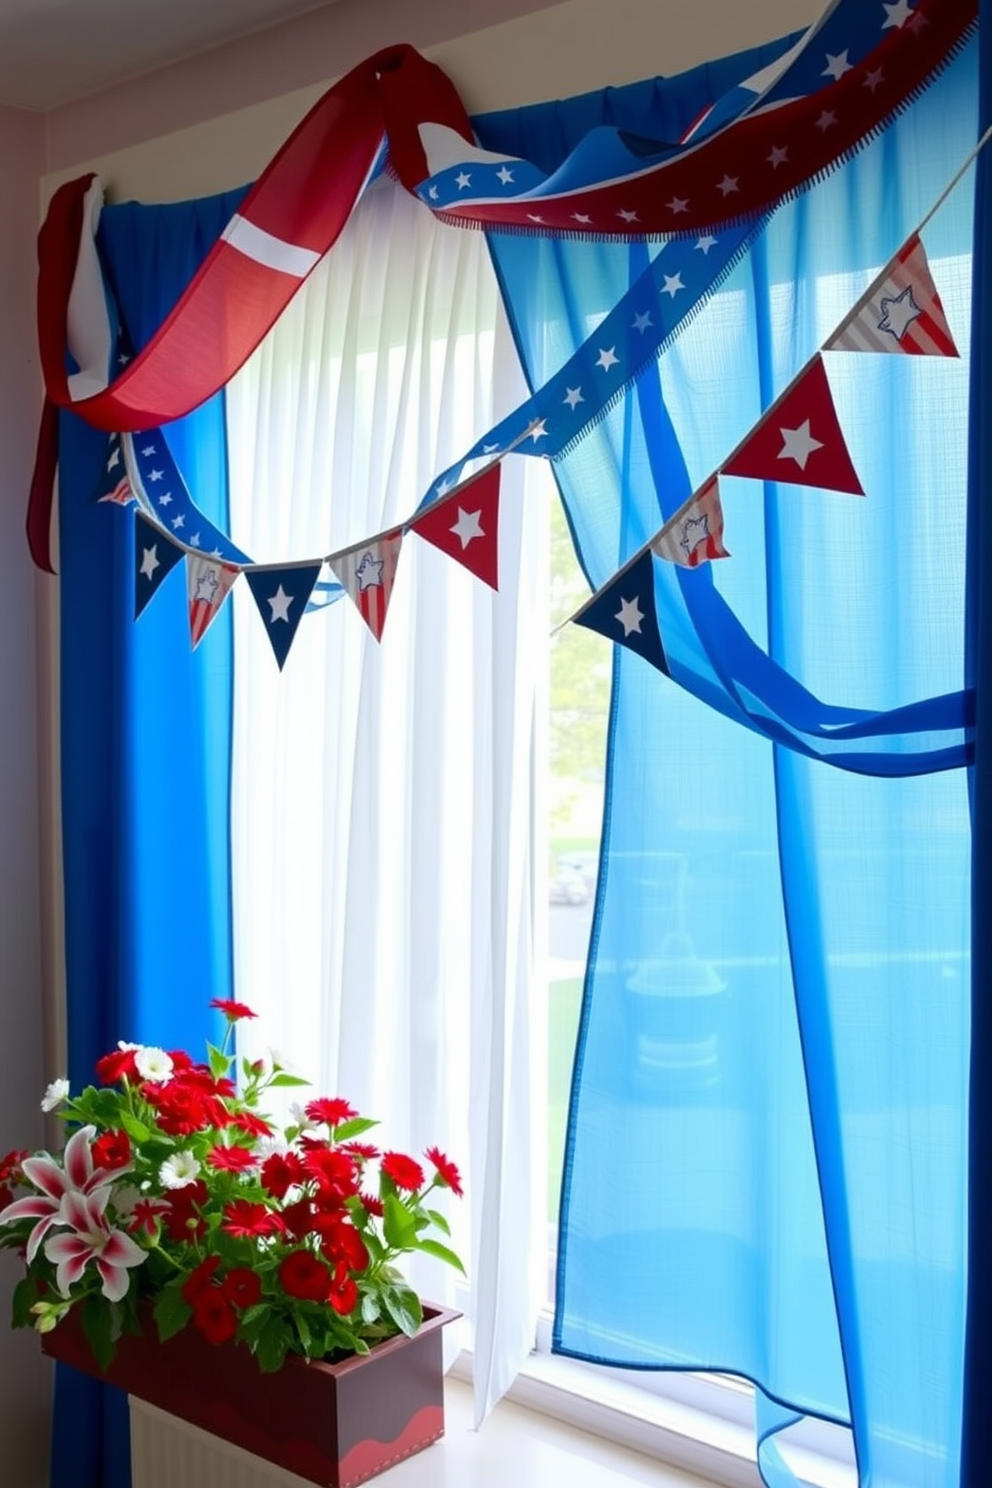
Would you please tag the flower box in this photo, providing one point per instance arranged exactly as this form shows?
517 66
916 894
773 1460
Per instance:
333 1424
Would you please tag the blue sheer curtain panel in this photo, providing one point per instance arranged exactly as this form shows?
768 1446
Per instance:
767 1142
145 752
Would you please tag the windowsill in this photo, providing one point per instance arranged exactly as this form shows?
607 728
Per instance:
698 1424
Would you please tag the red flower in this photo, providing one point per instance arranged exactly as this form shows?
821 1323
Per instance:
184 1106
302 1275
281 1171
233 1011
331 1112
214 1315
333 1171
199 1278
242 1287
117 1065
248 1121
243 1218
231 1159
446 1170
341 1243
298 1218
183 1220
10 1165
145 1214
364 1150
372 1205
343 1294
404 1172
112 1149
6 1195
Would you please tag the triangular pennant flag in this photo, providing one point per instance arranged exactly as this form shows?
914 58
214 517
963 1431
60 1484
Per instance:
695 534
624 611
799 440
155 556
208 583
465 525
901 311
282 595
114 483
367 572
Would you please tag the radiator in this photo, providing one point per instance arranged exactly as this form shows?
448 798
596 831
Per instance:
169 1453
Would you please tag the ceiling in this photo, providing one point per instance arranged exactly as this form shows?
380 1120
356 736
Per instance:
54 51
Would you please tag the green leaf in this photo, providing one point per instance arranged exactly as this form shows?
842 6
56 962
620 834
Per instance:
435 1248
98 1327
273 1345
284 1079
220 1062
25 1295
398 1224
403 1306
371 1310
136 1130
303 1331
348 1130
438 1219
172 1313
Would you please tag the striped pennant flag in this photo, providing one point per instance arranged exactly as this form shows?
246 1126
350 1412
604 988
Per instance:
368 572
208 583
695 534
901 312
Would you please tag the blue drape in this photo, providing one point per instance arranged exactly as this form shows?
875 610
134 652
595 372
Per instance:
977 1442
765 1163
145 749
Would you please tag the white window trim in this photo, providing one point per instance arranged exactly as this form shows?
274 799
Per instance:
699 1423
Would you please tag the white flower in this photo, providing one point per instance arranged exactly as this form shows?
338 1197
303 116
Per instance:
269 1146
178 1170
153 1064
55 1095
123 1197
300 1117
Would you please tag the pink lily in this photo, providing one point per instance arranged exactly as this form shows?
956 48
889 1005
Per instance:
76 1175
93 1240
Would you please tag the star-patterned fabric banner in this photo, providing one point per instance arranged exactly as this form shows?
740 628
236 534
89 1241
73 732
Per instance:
368 572
114 484
281 595
466 526
769 138
799 440
901 312
162 494
694 534
208 583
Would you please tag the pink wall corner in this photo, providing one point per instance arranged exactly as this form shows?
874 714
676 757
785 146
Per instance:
310 49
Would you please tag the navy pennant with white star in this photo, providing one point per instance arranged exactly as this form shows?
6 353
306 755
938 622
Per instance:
154 557
625 612
114 484
282 595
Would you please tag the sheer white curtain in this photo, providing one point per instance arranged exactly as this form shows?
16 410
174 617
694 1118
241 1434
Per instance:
384 795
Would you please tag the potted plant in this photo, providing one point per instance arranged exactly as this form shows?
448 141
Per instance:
243 1275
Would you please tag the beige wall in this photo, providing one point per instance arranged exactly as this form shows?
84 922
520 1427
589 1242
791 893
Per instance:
215 122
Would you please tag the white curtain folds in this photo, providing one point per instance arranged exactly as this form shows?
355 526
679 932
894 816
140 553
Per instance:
384 794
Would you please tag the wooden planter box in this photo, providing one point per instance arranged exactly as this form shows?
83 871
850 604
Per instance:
333 1424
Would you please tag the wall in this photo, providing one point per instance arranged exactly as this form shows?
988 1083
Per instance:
197 127
23 1376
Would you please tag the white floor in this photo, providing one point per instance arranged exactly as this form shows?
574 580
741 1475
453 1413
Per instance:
515 1448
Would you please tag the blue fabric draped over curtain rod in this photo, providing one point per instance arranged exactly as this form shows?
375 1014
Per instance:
708 1204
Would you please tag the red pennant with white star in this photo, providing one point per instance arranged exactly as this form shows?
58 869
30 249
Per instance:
367 573
208 583
465 525
901 312
799 440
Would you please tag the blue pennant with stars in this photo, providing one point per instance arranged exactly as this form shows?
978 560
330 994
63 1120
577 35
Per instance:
281 595
155 556
625 612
